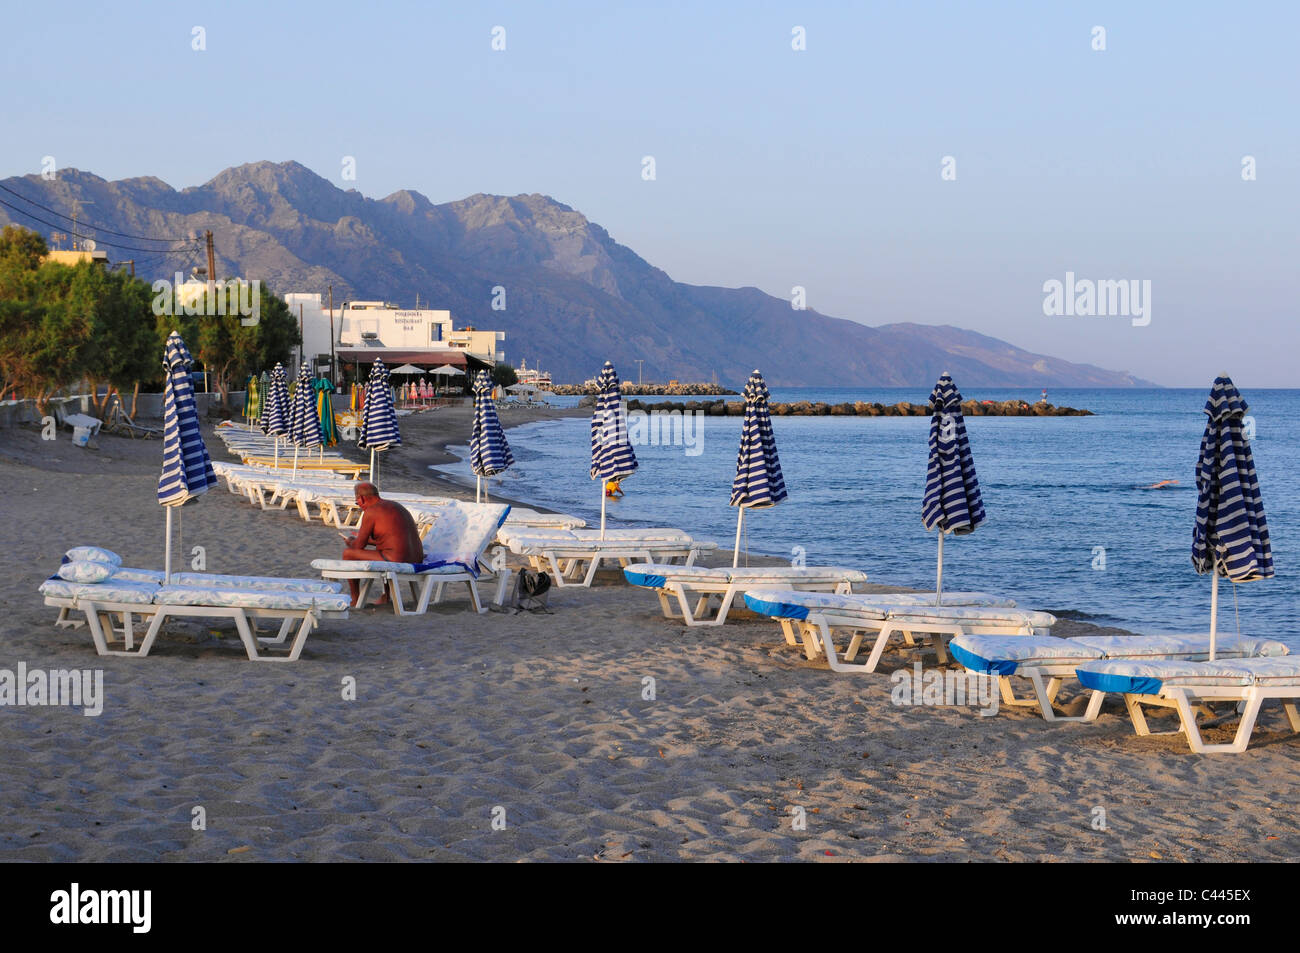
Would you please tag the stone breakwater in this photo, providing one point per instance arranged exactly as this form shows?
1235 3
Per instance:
803 408
657 390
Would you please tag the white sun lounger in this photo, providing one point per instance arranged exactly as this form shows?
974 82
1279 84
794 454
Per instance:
246 606
1047 661
700 584
565 552
1189 686
453 550
818 616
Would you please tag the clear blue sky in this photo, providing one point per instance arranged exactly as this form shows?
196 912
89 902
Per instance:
775 167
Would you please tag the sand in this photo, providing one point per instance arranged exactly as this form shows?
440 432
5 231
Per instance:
509 737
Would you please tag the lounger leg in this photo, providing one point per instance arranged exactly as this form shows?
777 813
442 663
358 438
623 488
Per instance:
591 570
878 649
503 585
1134 705
1009 695
1046 694
1292 715
725 606
666 604
424 589
679 592
831 658
787 630
473 597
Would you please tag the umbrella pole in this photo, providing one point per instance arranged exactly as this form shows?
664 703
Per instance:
938 583
478 489
372 464
735 554
1214 609
167 551
277 451
602 507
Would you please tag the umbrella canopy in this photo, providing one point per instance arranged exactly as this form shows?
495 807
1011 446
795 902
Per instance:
758 479
252 409
187 468
406 369
275 411
952 491
304 425
378 418
448 370
1231 535
325 411
611 452
489 454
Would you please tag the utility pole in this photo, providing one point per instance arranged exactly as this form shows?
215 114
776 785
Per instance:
638 372
212 259
334 371
302 346
76 213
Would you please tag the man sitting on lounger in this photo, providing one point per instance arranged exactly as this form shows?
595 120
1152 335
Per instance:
387 534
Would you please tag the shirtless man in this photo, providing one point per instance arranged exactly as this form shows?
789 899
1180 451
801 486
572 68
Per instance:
387 534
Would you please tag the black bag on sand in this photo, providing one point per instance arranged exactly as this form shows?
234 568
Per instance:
532 590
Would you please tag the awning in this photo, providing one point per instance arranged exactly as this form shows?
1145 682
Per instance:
392 356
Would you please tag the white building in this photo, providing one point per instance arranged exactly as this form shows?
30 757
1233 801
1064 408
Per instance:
366 330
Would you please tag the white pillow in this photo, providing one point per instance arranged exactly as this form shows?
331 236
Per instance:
93 554
85 570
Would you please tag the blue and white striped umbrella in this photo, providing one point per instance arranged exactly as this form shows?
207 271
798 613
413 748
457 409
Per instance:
378 417
952 491
187 468
304 425
1231 535
611 451
275 408
489 454
758 479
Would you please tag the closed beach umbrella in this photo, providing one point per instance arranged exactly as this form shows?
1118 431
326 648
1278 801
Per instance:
952 492
378 418
250 400
275 414
489 454
758 469
325 412
304 425
187 468
1231 535
611 452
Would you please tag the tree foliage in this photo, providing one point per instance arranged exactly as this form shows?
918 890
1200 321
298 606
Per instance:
503 375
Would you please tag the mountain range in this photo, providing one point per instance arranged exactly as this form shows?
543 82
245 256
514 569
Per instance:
574 297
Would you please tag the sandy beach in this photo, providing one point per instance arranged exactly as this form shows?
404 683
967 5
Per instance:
540 722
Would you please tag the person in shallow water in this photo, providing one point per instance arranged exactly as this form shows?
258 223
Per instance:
387 534
614 488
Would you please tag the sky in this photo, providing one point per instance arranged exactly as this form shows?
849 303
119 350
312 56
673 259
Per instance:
930 162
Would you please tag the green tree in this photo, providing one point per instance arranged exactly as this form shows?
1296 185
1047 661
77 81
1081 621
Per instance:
503 375
228 348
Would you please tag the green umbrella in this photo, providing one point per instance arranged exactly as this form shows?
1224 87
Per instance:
325 411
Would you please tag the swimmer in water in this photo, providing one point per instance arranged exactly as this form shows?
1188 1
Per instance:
612 488
1156 486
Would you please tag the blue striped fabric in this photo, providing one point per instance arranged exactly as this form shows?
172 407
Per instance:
611 452
758 479
489 454
1231 534
379 418
952 491
275 411
187 468
304 425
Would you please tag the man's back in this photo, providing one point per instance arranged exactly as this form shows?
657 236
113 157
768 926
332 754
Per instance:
391 530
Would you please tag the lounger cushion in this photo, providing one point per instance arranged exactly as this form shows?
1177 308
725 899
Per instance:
250 598
126 574
84 570
657 575
134 593
1004 654
460 534
1147 678
790 604
279 583
93 554
1187 648
364 566
975 616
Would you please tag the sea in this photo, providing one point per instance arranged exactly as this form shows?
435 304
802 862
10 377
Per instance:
1073 527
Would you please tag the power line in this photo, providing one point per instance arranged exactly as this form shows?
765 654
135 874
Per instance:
193 243
144 238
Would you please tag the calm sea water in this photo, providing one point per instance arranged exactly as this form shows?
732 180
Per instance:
1060 493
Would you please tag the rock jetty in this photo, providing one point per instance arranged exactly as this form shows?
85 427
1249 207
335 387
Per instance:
803 408
657 390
